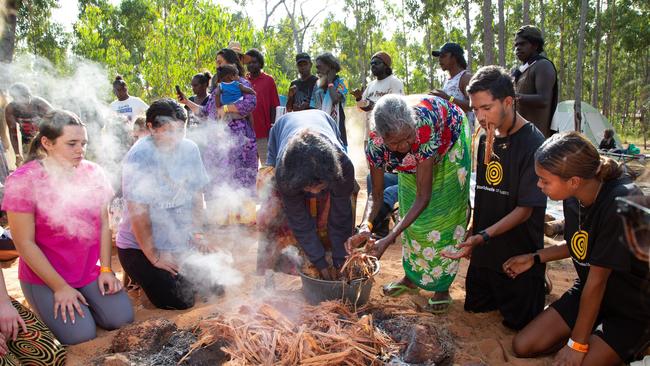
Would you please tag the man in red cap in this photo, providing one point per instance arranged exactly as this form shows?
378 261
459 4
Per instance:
386 83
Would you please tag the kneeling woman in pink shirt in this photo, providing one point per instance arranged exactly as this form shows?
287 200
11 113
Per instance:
57 204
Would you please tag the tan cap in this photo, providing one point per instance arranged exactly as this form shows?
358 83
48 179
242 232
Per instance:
235 46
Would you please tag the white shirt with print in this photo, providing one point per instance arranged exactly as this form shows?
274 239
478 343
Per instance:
377 89
131 108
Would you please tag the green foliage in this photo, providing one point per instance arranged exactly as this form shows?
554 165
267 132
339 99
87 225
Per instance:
185 39
37 34
156 44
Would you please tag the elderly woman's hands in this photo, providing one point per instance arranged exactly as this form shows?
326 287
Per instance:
378 248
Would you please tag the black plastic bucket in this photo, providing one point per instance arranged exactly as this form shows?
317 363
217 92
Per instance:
356 292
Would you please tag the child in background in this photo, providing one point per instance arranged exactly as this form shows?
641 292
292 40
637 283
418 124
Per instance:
229 87
608 142
140 129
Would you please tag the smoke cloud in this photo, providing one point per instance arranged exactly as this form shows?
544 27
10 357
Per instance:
87 91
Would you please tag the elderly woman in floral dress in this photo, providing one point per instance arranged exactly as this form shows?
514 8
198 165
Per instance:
426 140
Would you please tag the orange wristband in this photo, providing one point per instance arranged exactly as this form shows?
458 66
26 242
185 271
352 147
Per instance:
579 347
103 269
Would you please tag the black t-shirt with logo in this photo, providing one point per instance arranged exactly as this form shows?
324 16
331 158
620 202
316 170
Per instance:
601 242
305 89
501 186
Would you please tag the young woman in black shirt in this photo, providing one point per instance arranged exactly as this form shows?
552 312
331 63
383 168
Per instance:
605 318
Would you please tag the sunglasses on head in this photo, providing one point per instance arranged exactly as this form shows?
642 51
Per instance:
635 212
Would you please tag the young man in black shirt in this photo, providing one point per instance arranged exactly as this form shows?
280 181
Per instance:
508 206
301 89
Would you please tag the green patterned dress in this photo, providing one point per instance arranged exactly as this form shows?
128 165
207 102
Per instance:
443 135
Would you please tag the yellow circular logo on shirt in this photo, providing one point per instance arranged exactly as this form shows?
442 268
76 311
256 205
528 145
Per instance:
579 242
494 173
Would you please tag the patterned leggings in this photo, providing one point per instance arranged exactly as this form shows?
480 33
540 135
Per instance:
36 347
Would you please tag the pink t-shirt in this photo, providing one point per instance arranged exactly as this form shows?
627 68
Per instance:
67 218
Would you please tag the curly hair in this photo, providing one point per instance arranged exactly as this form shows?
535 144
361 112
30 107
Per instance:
309 159
391 115
329 59
165 107
255 53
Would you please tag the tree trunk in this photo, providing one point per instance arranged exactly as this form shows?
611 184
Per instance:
542 18
596 56
294 27
165 13
468 34
502 35
526 12
607 93
644 96
362 40
577 108
269 13
626 116
429 59
488 34
8 39
406 54
560 78
635 108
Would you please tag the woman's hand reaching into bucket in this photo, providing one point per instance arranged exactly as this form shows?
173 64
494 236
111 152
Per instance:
377 248
357 240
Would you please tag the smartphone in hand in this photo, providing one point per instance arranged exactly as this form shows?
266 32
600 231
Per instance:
178 90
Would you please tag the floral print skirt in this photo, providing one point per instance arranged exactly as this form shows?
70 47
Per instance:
442 223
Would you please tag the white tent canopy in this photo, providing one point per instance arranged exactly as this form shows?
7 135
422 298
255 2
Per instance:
593 123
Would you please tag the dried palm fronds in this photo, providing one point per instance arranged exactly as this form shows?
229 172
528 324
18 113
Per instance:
489 143
327 334
358 265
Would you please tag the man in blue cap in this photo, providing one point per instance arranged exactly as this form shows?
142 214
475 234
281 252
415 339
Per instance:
452 59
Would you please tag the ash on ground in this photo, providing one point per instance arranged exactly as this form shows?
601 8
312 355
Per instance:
158 342
423 343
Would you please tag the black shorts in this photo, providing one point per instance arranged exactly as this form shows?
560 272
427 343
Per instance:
163 290
518 300
627 335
